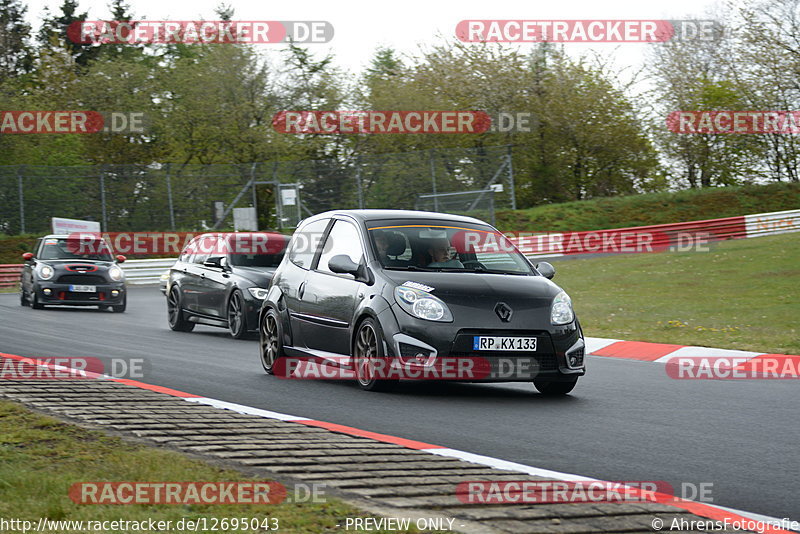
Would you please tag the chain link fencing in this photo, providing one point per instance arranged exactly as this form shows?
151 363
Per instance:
160 197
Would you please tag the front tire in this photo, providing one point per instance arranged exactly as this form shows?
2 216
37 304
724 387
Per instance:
270 340
553 388
368 356
237 323
23 299
35 304
120 308
175 317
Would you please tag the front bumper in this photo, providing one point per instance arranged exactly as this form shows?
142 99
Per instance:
559 354
53 293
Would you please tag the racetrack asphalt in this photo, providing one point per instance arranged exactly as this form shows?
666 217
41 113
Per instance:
625 420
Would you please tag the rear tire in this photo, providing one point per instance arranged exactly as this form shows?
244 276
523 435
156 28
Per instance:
175 317
552 388
270 340
367 350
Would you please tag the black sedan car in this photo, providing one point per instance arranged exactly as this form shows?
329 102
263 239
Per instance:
389 295
220 279
72 271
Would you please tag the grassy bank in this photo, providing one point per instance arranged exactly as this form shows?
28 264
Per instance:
657 208
740 295
41 457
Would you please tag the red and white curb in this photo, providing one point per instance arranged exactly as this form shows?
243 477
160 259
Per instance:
669 353
709 511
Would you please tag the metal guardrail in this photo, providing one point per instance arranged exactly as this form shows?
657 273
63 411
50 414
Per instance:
9 275
673 236
139 272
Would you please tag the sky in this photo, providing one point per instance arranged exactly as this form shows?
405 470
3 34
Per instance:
361 26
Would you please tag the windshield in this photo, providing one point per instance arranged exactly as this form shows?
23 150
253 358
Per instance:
256 260
430 245
75 249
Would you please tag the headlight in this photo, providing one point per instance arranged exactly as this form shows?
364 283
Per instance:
46 272
561 312
164 276
422 304
115 273
258 292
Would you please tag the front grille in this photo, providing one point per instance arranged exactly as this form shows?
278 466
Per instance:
500 362
70 295
85 279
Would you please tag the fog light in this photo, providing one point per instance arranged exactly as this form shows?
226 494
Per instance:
573 361
47 291
114 292
421 358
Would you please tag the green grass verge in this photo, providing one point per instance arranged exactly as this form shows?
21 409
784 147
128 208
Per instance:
41 457
740 295
656 208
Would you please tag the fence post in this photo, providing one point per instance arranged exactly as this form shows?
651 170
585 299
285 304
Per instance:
358 184
433 180
169 200
103 196
255 195
511 179
21 199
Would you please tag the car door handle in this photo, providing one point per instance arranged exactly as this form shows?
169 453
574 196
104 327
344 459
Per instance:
301 290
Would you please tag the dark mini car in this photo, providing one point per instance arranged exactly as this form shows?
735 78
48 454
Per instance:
393 294
220 279
73 271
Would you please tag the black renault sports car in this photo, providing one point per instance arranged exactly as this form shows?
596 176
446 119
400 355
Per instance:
220 279
73 271
386 295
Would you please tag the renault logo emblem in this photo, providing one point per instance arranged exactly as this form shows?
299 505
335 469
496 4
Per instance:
503 311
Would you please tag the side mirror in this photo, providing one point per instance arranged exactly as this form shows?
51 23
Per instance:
218 262
121 258
546 270
28 256
342 264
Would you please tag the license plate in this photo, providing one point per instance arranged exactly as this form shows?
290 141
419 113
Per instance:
83 289
504 343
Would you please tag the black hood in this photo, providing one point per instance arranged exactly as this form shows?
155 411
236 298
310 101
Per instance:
259 276
473 297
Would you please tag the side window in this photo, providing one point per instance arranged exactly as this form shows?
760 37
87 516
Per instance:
189 250
305 242
205 249
343 239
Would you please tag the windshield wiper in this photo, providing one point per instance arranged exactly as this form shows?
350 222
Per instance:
409 268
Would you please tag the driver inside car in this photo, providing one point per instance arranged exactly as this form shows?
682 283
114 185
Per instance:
439 251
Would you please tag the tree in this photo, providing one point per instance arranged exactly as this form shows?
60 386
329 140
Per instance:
16 57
